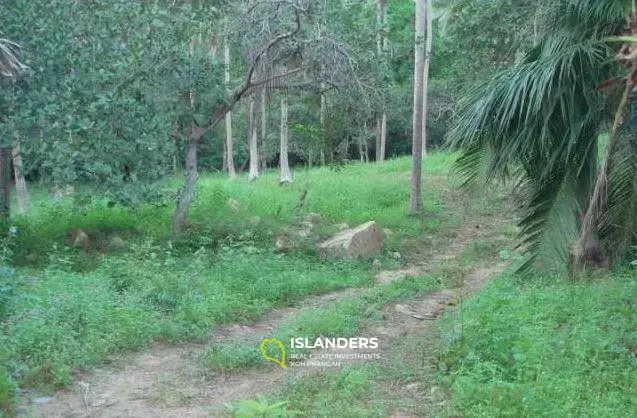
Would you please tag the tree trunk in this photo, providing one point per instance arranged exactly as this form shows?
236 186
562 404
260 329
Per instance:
264 131
187 194
254 146
5 186
284 166
383 136
322 119
425 91
229 151
415 200
20 183
381 46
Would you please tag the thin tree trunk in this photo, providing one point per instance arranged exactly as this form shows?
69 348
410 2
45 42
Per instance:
5 185
425 90
187 194
383 136
382 46
20 182
378 134
284 166
264 132
415 200
254 150
229 151
322 119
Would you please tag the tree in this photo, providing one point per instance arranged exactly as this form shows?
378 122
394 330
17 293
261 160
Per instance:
425 89
10 68
253 141
415 199
382 49
229 146
284 166
538 122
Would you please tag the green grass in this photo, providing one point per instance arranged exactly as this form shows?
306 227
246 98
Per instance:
65 308
343 318
532 347
546 348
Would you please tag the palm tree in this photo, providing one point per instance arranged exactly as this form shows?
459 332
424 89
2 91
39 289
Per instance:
539 123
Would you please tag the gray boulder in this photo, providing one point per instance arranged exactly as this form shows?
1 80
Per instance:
363 241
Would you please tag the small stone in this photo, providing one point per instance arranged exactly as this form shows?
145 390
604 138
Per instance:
376 263
43 400
396 255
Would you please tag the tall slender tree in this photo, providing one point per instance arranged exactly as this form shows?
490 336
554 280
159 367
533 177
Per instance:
381 49
415 199
425 89
284 165
10 68
229 146
253 141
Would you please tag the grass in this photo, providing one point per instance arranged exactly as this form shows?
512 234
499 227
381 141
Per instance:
65 308
546 348
540 347
343 318
543 347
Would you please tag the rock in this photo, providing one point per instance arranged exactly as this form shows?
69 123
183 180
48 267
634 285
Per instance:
116 243
396 255
376 263
79 239
43 400
363 241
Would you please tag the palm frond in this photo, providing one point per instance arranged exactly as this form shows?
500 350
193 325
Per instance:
10 65
538 120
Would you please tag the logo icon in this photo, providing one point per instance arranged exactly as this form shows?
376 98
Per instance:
271 346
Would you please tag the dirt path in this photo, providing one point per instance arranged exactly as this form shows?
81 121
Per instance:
166 381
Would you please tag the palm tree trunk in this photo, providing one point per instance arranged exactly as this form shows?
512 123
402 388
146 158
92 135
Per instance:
284 166
20 182
415 200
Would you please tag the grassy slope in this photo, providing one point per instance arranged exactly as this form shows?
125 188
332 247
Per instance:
547 348
66 308
544 347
